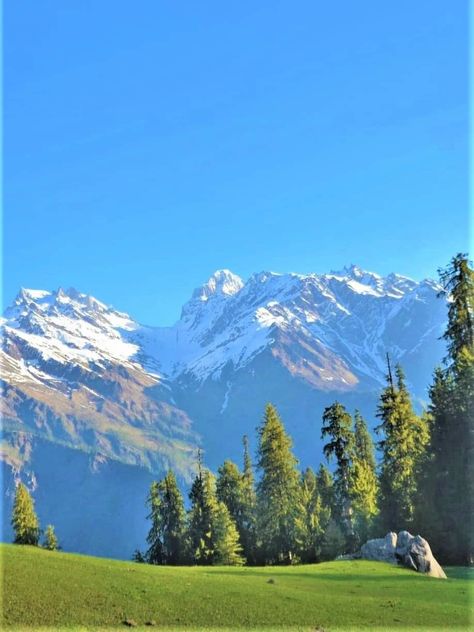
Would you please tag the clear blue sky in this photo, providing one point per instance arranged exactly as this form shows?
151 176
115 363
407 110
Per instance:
149 143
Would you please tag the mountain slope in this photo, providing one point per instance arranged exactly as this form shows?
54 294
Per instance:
80 376
69 375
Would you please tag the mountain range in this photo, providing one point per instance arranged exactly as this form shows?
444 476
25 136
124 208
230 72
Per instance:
95 404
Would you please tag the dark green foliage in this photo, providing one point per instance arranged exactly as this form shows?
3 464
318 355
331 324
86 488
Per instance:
312 518
325 483
458 283
200 517
403 445
248 524
363 481
50 539
333 542
138 557
446 498
213 534
337 425
166 536
24 519
277 491
229 489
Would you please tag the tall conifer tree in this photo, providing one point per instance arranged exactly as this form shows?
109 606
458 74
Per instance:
337 426
248 528
312 518
200 516
24 519
277 491
446 500
404 439
364 485
166 536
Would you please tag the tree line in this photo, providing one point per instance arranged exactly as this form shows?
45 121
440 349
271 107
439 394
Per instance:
423 480
274 514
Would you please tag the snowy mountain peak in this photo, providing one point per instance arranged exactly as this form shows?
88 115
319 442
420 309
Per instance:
221 283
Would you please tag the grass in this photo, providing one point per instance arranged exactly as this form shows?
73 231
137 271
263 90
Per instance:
73 592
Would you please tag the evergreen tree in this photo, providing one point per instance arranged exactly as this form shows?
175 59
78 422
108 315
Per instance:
277 491
337 425
138 557
200 516
227 549
312 518
155 554
229 489
166 536
458 283
24 519
333 542
50 539
446 499
236 490
405 437
213 533
363 484
248 527
325 485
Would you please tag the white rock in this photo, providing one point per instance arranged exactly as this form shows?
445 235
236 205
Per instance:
410 551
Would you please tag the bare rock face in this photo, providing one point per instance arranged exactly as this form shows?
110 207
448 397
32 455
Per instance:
381 549
410 551
414 552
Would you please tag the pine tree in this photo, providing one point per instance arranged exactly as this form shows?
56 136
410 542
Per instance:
325 484
50 539
229 489
337 425
212 531
199 517
277 491
227 549
458 283
404 442
24 519
363 484
312 518
446 499
248 526
236 491
166 536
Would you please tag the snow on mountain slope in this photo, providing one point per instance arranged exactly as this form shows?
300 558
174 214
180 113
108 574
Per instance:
69 374
78 371
349 319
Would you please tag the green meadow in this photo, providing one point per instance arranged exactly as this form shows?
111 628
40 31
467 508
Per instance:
43 589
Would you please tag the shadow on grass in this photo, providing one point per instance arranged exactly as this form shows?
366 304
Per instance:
330 576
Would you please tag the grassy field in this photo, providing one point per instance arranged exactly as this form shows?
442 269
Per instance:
66 591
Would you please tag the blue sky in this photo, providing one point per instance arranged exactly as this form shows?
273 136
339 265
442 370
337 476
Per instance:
148 144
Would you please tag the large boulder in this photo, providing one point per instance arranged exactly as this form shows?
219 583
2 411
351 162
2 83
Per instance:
414 552
381 549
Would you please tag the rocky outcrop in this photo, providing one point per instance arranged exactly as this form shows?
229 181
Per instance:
414 552
381 549
410 551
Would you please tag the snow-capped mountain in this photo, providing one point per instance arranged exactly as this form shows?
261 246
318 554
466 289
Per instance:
81 378
70 375
332 331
